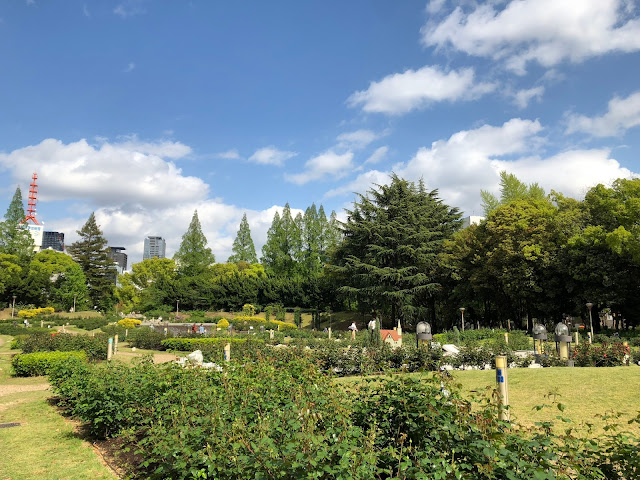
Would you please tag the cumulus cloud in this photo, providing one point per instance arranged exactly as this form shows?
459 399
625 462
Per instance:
471 160
622 114
357 139
111 173
327 164
361 184
542 31
134 189
522 97
378 155
229 155
271 156
416 89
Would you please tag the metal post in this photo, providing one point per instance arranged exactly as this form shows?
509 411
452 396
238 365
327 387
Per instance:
590 306
227 352
503 387
110 349
13 306
462 312
74 303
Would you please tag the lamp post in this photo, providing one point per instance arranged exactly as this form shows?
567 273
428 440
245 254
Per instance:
13 306
540 334
462 312
423 333
74 303
590 306
177 308
563 340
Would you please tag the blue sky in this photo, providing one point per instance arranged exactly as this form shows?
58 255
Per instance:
143 111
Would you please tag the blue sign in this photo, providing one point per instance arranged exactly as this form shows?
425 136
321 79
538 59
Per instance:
499 375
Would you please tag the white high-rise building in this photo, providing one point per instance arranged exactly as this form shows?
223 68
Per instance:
154 247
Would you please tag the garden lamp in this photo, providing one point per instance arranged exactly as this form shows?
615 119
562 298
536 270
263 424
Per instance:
462 313
563 340
540 334
590 306
423 333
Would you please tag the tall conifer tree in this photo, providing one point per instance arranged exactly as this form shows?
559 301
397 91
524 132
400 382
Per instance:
243 248
193 256
15 239
391 239
90 251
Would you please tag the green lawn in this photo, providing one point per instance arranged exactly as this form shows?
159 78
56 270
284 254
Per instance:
44 446
586 392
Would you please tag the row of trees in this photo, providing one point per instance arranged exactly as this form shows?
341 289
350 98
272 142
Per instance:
400 252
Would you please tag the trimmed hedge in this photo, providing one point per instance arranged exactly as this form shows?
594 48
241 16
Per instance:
95 347
190 344
39 363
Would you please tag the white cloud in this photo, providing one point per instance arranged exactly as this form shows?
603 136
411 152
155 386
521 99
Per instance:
522 97
133 191
85 11
544 31
357 139
378 155
129 8
327 164
271 156
623 113
114 174
361 184
130 67
416 89
229 155
471 160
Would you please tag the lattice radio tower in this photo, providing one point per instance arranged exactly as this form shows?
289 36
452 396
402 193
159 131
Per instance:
33 198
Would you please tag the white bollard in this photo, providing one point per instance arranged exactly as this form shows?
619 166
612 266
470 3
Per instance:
115 344
227 352
110 349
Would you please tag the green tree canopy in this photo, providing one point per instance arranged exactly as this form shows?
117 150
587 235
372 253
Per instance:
55 279
243 248
91 253
511 189
282 249
391 240
193 256
15 238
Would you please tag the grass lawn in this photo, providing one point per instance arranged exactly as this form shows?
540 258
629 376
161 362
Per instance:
44 446
585 392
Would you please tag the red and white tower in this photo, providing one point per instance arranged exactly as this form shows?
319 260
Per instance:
33 198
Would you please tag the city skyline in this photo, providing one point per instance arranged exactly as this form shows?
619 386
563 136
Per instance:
165 108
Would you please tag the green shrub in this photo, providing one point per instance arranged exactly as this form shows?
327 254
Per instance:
147 338
39 363
190 344
7 328
94 346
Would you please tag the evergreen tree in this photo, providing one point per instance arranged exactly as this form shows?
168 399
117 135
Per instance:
311 242
243 249
281 250
15 238
391 240
91 253
193 256
511 189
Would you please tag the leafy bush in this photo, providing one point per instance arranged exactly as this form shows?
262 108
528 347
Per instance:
283 419
190 344
147 338
39 363
7 328
248 310
95 347
223 323
130 323
605 355
32 312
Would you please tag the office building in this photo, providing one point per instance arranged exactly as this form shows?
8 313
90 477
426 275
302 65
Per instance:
471 220
53 240
154 247
119 258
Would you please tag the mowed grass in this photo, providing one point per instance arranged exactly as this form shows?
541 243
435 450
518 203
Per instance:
45 445
586 393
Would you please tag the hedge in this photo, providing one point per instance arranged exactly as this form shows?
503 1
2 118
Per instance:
190 344
39 363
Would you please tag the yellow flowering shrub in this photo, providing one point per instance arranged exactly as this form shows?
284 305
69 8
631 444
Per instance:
129 322
223 323
32 312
